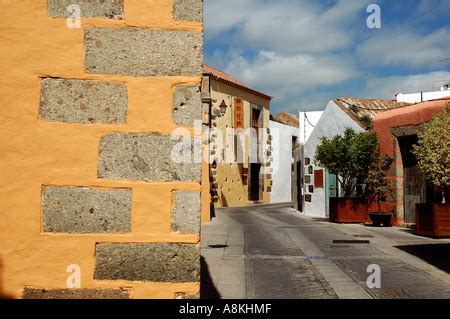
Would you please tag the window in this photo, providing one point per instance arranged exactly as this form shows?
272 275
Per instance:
318 179
294 144
307 179
255 118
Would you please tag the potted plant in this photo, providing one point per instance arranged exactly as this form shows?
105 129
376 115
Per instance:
378 188
433 154
349 157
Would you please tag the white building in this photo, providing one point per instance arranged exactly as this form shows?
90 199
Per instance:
308 121
285 138
424 96
340 114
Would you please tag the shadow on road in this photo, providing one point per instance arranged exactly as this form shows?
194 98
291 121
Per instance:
207 288
437 255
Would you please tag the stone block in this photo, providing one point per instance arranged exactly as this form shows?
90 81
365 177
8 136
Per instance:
33 293
143 52
109 9
83 102
186 212
86 210
187 105
148 262
148 157
188 10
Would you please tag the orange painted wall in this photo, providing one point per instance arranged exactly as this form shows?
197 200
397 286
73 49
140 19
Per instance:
34 152
407 116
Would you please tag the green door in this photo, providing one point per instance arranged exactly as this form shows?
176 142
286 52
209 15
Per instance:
331 189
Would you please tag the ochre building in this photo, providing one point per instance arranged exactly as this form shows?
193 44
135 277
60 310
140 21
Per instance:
93 205
239 172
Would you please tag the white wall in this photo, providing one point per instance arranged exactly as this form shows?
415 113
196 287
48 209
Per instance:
282 161
422 97
307 121
333 122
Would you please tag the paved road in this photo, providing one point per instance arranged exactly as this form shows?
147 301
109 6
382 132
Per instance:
275 252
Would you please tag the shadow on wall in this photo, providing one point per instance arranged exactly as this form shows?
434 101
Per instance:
437 255
223 199
207 288
2 295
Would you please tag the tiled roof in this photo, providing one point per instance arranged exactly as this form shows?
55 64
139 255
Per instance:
413 108
287 119
220 75
360 109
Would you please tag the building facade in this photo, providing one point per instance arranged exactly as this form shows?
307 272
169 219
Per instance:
397 131
284 143
424 96
239 171
93 205
355 113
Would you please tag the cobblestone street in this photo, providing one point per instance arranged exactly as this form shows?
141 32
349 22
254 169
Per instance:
275 252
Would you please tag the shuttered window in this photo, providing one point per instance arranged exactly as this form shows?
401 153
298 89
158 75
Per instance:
318 178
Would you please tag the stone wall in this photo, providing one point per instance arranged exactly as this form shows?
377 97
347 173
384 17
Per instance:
88 170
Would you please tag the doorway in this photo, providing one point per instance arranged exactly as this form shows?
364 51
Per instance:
254 186
414 186
299 186
331 189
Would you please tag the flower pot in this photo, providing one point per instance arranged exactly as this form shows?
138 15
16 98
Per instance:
343 210
433 220
381 219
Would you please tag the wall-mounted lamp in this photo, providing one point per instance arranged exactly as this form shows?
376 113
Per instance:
223 107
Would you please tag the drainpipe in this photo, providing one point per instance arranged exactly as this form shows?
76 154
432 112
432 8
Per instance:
206 118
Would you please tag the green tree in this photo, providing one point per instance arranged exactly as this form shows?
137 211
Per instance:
378 183
349 157
433 150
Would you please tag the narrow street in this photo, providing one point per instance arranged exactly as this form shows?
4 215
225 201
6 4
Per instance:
275 252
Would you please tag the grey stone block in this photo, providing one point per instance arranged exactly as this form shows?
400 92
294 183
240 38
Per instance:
187 104
143 52
187 297
152 262
32 293
83 102
188 10
111 9
186 212
86 210
147 157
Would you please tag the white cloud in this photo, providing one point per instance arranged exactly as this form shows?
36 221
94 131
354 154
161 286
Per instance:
271 70
290 26
409 49
387 87
304 53
288 78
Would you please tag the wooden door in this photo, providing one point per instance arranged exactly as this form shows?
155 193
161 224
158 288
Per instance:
414 185
331 189
299 181
254 186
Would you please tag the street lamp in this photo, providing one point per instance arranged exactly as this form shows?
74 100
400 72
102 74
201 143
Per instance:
223 107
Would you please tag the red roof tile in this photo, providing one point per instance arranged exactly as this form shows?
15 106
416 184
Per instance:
225 77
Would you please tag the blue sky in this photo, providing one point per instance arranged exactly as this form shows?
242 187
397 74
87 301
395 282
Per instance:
306 52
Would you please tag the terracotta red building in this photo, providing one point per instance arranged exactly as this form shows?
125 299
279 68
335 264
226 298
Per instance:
397 131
